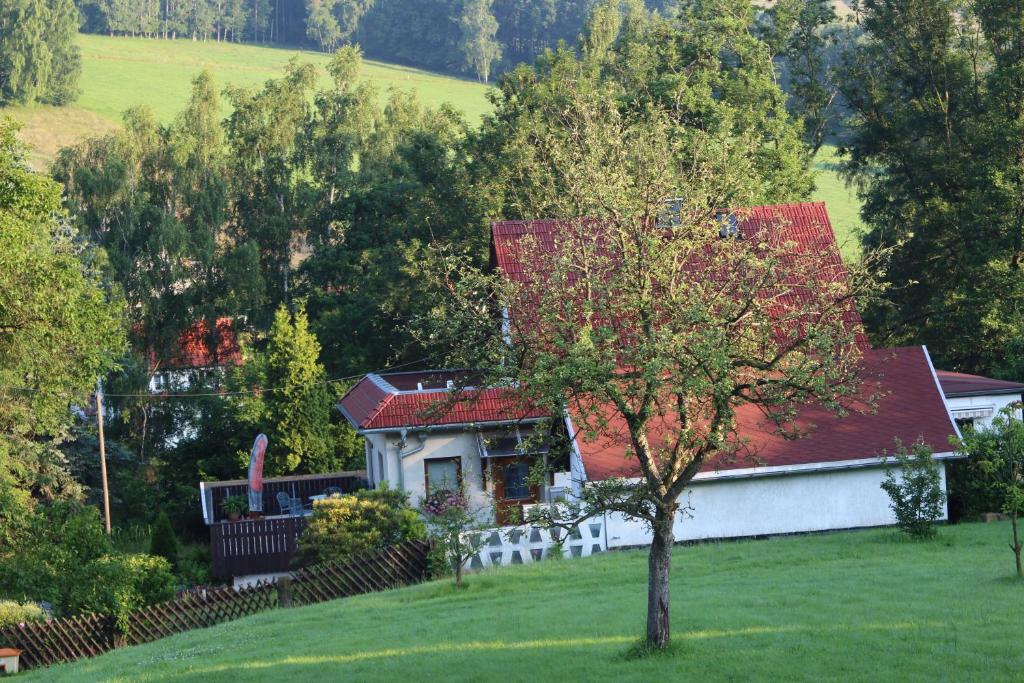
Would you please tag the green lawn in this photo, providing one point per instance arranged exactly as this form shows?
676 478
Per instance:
862 606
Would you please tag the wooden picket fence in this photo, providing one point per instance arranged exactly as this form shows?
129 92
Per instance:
60 640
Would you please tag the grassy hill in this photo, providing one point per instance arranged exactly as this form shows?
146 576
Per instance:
861 606
119 73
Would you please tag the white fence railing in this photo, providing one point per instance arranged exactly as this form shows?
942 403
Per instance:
509 545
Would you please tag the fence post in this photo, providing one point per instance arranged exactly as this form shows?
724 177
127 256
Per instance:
284 591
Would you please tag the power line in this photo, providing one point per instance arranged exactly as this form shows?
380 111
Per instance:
247 392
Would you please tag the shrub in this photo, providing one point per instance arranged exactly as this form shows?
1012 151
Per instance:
117 584
163 542
344 526
12 612
916 494
997 455
194 565
60 540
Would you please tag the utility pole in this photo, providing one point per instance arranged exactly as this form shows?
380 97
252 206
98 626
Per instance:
103 456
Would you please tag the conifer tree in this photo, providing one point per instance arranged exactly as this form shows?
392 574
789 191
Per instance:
937 150
163 542
298 408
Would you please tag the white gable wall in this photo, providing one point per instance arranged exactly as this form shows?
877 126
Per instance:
995 403
408 473
791 503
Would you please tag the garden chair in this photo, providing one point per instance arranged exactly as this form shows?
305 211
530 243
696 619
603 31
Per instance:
284 501
299 509
333 491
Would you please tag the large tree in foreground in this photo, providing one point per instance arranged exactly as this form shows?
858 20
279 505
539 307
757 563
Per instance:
58 334
655 328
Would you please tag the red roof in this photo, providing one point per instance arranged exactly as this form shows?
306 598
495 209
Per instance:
909 408
194 349
806 225
961 384
395 401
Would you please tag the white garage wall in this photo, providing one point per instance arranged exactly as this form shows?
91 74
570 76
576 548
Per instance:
842 499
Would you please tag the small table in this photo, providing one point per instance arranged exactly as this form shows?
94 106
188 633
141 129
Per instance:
319 496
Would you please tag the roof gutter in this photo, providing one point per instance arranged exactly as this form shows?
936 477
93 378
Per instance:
403 453
809 468
994 392
453 425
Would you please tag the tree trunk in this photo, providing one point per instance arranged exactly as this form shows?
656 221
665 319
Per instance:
1016 547
658 565
457 541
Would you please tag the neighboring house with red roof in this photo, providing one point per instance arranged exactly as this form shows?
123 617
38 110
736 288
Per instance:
974 400
198 351
420 436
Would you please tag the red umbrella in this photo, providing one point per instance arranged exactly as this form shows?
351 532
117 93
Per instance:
259 449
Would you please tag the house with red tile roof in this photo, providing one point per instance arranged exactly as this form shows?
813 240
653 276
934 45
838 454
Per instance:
197 351
422 434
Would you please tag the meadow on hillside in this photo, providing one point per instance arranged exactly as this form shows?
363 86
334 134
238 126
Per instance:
119 72
851 606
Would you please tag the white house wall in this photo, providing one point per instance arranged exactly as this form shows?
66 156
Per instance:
843 499
410 477
993 402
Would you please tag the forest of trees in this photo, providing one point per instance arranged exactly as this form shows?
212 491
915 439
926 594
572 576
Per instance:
477 37
39 58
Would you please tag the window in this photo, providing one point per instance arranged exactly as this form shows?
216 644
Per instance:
442 474
517 486
728 224
965 423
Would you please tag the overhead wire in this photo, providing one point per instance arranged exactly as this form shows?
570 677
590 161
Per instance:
245 392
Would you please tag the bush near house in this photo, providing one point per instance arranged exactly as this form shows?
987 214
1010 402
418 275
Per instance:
164 542
117 584
343 526
450 515
67 560
915 491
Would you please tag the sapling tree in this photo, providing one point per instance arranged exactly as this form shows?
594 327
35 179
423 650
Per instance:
998 452
451 517
653 329
916 494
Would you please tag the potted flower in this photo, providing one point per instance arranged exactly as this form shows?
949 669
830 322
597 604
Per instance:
234 507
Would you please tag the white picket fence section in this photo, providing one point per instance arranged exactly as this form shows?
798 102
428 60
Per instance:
509 545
